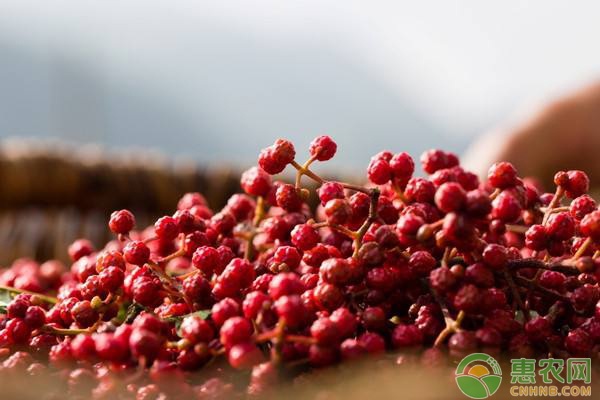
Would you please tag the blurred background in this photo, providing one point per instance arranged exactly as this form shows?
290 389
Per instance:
219 80
167 97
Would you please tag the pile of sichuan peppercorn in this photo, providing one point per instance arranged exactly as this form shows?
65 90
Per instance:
438 267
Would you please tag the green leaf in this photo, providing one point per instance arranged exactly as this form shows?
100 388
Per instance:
204 314
5 299
122 313
128 312
520 317
133 311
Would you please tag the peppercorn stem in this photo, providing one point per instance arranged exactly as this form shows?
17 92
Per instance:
265 336
172 284
516 294
340 228
554 210
300 339
427 230
516 228
584 246
453 253
259 211
495 194
301 170
446 256
178 253
374 195
356 188
249 247
538 264
278 340
187 275
531 284
399 193
47 299
66 332
61 331
259 215
276 334
305 170
452 325
560 191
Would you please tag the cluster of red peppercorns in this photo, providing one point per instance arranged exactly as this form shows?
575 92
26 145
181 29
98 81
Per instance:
444 264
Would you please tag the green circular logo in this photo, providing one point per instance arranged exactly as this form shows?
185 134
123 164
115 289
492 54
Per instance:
480 380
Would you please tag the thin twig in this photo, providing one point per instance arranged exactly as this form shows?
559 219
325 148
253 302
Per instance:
367 224
555 201
516 228
516 294
531 284
452 325
584 246
47 299
539 264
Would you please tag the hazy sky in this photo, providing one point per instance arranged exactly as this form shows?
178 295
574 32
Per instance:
219 80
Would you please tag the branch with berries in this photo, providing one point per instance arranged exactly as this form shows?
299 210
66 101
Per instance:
397 264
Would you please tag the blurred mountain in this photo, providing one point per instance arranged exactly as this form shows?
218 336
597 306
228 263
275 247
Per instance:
241 97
